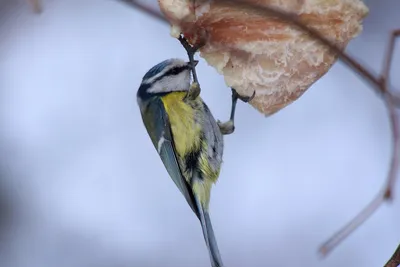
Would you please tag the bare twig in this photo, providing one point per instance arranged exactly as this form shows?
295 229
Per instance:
191 51
388 64
385 79
395 259
379 83
386 193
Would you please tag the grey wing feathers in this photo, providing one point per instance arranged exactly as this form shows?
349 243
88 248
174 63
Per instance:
214 139
157 124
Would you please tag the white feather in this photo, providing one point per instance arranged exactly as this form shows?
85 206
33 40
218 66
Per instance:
180 82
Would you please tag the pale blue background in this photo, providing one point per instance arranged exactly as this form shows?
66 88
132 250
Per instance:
90 190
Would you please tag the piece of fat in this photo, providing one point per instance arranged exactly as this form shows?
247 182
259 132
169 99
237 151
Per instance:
254 51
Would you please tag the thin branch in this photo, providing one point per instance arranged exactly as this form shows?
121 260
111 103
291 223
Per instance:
36 5
394 166
386 193
395 259
389 55
379 83
349 228
388 64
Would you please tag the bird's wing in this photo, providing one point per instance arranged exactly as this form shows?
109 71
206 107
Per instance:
215 141
157 124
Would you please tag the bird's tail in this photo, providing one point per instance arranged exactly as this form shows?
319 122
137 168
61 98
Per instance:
209 236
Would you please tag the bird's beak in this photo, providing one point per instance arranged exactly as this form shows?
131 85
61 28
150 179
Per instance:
195 62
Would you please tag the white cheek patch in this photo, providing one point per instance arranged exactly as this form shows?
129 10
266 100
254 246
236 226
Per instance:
178 63
183 81
156 88
180 82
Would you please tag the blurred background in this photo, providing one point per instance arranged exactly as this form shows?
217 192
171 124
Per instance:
81 184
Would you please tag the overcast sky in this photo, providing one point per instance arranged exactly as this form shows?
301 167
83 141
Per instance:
91 190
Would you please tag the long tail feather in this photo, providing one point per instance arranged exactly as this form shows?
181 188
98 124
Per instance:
209 237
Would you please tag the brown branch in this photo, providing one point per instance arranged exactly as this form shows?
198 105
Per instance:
36 5
388 64
395 259
379 83
389 55
386 193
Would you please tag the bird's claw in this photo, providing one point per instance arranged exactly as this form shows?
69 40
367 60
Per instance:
245 99
226 127
190 49
194 91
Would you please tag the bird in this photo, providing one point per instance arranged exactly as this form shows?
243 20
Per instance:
186 136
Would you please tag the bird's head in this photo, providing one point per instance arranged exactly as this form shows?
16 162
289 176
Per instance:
171 75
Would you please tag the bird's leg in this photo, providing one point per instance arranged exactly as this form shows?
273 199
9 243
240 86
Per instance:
194 90
229 126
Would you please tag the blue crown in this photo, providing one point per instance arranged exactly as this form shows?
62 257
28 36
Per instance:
157 69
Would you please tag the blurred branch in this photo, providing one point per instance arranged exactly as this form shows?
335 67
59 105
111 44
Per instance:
387 192
385 79
379 84
388 64
395 259
36 5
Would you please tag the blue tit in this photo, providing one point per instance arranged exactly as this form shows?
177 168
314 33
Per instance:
186 136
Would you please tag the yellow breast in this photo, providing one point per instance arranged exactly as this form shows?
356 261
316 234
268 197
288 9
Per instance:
185 128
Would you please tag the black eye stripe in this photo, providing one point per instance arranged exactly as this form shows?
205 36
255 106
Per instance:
172 72
176 70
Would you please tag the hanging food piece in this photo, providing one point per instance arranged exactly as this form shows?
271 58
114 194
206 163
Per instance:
256 51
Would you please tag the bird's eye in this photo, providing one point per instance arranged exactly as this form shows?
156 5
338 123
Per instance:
175 71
